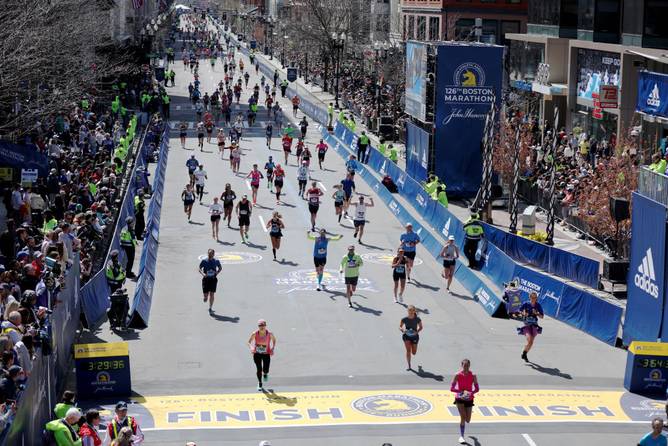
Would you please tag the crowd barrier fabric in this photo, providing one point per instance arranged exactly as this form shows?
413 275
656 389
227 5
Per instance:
417 152
548 258
603 323
645 305
143 298
48 373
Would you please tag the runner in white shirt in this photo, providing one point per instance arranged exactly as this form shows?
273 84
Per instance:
200 176
216 210
302 177
313 194
359 216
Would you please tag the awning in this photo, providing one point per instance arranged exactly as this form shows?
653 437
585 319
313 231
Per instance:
660 58
550 90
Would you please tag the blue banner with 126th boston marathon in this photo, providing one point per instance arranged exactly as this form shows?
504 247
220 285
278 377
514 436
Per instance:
468 82
645 306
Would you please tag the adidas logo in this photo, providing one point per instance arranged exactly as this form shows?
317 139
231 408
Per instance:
654 99
446 228
645 278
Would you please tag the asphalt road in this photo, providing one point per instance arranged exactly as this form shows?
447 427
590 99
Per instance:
338 375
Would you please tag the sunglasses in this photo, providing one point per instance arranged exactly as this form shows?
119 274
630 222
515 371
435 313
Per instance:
262 325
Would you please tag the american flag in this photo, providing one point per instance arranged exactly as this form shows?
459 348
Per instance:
137 3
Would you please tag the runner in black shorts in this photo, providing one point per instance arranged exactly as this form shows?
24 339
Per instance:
244 210
275 226
209 268
338 196
313 195
228 196
450 253
410 326
399 274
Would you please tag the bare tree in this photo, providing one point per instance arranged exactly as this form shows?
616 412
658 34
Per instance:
53 54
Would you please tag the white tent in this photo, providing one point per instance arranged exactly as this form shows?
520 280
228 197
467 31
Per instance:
182 7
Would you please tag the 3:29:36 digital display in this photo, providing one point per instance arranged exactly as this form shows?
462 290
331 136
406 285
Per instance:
116 364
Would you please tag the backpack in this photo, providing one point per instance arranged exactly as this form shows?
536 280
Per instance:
48 438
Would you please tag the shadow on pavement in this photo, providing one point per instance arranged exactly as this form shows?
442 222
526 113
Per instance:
287 262
422 373
419 284
549 371
333 294
196 223
364 309
417 309
221 242
221 318
253 245
461 296
377 248
283 203
475 441
273 397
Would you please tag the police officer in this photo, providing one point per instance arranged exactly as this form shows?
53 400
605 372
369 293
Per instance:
474 232
284 86
140 221
362 144
114 272
121 420
128 243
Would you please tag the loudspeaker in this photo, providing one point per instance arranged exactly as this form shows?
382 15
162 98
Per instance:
619 209
615 270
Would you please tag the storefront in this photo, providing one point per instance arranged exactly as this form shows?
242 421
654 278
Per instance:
652 105
596 69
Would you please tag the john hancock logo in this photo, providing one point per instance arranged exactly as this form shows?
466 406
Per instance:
392 406
467 89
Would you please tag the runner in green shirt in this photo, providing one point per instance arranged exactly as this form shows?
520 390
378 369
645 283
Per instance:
350 268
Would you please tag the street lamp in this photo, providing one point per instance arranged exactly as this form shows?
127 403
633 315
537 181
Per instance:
338 42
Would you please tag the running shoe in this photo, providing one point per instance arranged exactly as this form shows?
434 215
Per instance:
259 388
462 440
319 289
401 298
525 357
265 377
350 305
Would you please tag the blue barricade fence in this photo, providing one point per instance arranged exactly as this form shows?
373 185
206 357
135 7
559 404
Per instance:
95 293
562 301
48 373
141 304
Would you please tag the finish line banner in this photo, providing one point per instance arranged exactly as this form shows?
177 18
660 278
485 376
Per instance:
646 291
468 82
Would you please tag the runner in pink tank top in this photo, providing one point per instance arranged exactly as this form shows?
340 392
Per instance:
262 344
465 386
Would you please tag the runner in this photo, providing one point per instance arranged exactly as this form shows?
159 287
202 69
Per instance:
306 156
359 219
221 142
409 240
208 125
200 136
348 187
279 176
450 254
314 194
302 178
350 268
262 344
200 177
295 104
465 386
339 196
244 210
399 274
299 149
275 225
320 252
188 197
255 175
303 126
286 142
322 150
269 167
351 166
530 312
215 209
228 196
235 157
269 131
192 164
410 326
183 132
209 268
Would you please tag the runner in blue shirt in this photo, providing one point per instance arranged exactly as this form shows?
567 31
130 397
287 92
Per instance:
269 167
348 186
351 165
209 268
409 240
654 438
530 311
269 131
320 252
192 165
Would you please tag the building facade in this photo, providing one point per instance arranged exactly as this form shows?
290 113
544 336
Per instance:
589 51
433 20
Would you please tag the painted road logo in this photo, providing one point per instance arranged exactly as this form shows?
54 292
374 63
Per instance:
392 406
235 258
307 280
384 259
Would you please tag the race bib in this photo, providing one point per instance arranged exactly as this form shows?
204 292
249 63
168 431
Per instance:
322 251
352 263
261 349
314 200
210 273
243 212
399 269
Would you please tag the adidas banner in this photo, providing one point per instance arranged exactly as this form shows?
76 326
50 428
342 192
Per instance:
646 287
652 94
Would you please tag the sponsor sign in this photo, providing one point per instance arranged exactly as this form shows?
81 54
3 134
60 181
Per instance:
416 72
596 68
652 94
608 96
103 370
468 83
29 176
646 368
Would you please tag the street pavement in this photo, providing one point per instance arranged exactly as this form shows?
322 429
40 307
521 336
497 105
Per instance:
338 375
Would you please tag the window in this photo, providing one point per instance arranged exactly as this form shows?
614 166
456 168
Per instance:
421 27
514 1
544 12
655 30
411 27
490 30
607 21
585 9
568 18
508 27
464 29
434 28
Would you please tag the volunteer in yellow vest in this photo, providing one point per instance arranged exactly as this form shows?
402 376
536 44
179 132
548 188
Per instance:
121 420
394 154
114 272
165 105
50 223
115 106
330 114
128 243
658 164
431 185
382 147
67 402
441 196
473 234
